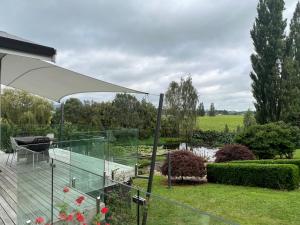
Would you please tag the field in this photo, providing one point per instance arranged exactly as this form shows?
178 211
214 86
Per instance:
218 122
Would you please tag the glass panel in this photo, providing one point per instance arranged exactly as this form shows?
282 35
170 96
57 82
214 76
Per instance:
128 205
75 195
33 184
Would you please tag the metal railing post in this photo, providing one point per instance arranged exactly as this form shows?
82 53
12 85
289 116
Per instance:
98 204
153 157
169 170
73 182
138 208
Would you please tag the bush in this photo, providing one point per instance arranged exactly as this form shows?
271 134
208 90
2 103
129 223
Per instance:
234 152
212 138
276 176
271 161
268 140
184 164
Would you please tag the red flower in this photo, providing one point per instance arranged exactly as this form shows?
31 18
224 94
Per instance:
62 216
80 217
79 200
66 189
70 217
39 220
98 223
104 210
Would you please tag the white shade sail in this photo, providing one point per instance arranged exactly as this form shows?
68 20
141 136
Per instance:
49 80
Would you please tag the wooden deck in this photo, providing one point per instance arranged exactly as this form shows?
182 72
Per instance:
34 191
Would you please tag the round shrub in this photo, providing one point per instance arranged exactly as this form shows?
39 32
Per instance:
184 164
271 139
234 152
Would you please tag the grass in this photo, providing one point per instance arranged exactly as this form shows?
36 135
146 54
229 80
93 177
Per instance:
244 205
297 154
218 122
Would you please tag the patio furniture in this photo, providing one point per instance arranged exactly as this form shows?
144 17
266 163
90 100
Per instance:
35 145
15 148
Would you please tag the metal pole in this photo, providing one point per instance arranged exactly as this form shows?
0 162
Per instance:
169 170
1 57
138 208
52 189
62 120
98 204
153 158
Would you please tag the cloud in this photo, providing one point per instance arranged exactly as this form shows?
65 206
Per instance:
147 44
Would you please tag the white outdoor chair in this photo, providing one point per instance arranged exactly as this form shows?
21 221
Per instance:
15 148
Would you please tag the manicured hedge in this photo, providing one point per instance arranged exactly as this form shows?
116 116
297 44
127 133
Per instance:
277 176
272 161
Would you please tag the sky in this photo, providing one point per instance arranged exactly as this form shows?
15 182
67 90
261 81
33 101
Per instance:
145 45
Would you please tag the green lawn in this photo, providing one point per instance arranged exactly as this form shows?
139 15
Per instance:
218 122
297 154
244 205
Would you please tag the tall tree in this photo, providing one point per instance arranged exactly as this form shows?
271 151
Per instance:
201 110
212 110
181 104
268 39
291 72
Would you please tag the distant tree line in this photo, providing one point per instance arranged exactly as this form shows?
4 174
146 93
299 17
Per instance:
125 111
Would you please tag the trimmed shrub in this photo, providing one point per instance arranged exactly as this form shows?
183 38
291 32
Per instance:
273 161
268 140
184 164
276 176
234 152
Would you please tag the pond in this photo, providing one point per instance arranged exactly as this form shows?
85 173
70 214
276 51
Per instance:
207 153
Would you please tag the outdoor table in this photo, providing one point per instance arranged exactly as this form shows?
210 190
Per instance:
34 145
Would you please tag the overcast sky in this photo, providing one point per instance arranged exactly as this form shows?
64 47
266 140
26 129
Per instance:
146 44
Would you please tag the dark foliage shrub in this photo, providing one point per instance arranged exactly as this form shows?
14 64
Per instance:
276 176
234 152
271 161
184 164
212 138
268 140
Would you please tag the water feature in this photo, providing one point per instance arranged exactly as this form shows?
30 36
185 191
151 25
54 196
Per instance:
207 153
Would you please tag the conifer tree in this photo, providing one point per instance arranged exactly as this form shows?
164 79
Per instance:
212 110
291 72
268 39
201 110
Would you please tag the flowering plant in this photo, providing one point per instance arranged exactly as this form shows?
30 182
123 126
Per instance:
76 215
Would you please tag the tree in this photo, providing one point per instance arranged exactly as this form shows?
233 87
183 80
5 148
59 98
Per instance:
173 104
73 110
268 39
212 110
291 72
201 110
249 119
181 104
22 108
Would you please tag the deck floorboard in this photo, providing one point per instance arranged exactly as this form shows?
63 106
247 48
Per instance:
35 192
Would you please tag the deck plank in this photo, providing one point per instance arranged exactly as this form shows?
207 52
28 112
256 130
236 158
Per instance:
34 190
